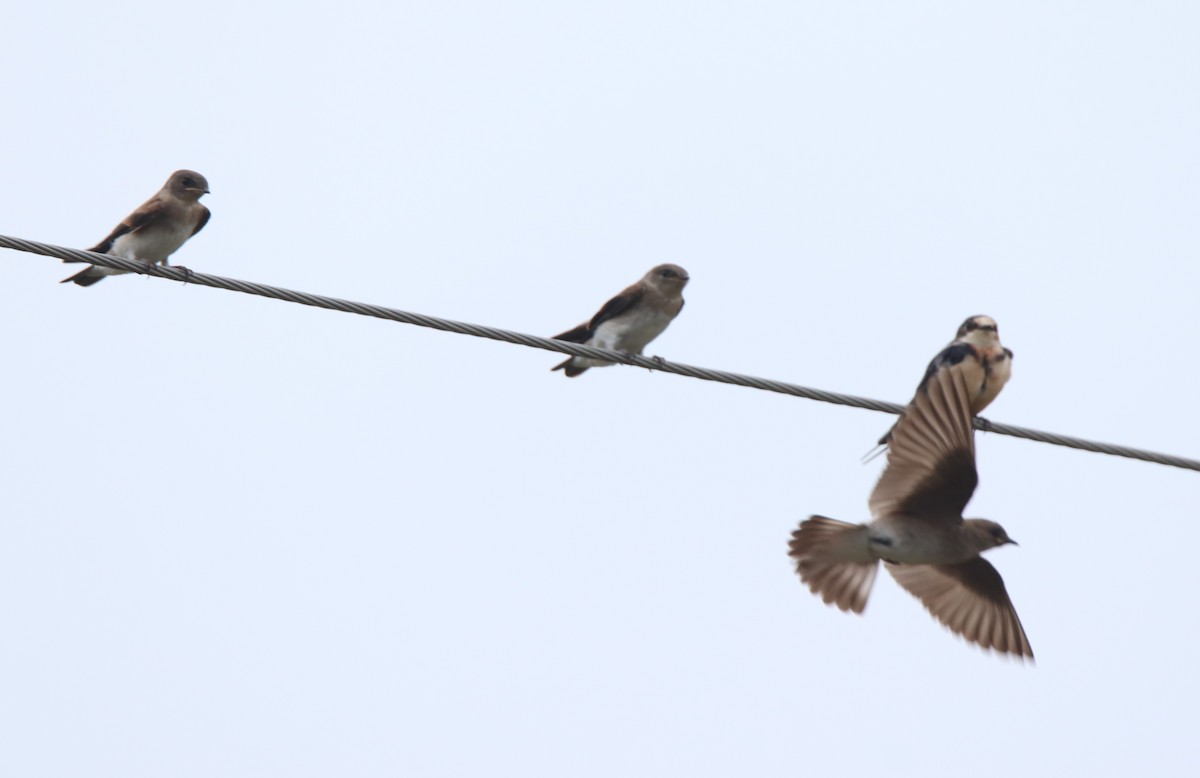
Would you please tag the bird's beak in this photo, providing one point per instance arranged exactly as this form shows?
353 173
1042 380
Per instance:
1015 543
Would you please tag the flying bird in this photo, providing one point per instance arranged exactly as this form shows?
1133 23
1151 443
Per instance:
918 530
629 321
977 354
156 229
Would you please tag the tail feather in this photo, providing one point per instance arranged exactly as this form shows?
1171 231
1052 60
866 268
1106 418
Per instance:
879 449
87 276
569 368
834 559
581 334
881 445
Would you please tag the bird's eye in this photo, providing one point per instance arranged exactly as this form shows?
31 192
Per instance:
188 182
998 533
666 273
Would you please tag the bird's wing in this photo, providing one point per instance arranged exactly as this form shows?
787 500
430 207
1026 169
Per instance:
618 305
147 213
614 307
970 599
951 356
581 334
203 220
930 472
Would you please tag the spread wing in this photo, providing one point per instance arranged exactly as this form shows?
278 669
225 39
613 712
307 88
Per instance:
970 599
950 356
930 472
147 213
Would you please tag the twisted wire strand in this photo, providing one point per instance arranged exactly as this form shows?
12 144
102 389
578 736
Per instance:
572 349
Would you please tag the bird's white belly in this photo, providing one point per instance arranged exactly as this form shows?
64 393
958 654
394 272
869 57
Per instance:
630 333
151 245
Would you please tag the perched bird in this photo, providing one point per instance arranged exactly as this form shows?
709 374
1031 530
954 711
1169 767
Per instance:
156 229
629 321
918 529
975 352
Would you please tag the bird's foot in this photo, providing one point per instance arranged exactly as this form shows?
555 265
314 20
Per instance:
187 272
984 424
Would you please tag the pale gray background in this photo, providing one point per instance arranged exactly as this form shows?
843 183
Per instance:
246 538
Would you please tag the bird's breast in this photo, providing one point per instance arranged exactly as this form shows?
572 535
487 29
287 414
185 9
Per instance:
997 367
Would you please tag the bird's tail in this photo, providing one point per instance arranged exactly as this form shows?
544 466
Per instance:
571 370
835 560
580 334
881 446
87 276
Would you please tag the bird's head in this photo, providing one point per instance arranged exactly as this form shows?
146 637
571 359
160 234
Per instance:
669 279
986 534
979 331
188 184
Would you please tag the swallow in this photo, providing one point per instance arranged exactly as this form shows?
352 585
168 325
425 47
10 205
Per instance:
918 530
156 229
975 352
629 321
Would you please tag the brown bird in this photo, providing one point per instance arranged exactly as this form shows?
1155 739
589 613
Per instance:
629 321
976 352
918 529
156 229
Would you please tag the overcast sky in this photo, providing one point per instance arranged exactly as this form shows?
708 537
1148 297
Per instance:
243 538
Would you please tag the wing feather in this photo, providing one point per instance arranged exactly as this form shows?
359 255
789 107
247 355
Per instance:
147 213
205 214
581 334
629 297
930 472
969 599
